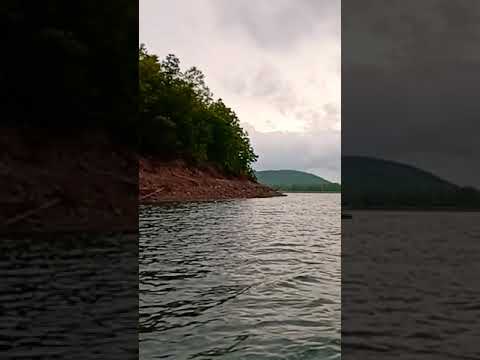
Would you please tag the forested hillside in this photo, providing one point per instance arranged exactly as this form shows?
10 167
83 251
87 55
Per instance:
179 119
371 183
293 180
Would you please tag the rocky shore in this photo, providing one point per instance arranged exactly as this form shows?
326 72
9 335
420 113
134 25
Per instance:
175 181
87 183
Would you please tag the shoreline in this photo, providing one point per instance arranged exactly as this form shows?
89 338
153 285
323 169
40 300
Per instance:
310 192
204 200
163 182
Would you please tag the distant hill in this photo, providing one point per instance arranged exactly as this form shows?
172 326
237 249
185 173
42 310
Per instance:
369 183
294 180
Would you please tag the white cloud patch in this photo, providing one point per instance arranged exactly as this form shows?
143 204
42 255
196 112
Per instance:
277 66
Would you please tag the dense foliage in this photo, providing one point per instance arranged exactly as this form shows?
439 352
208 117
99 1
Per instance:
179 118
83 75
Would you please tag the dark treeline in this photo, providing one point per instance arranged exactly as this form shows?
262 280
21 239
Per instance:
464 198
70 65
333 187
180 119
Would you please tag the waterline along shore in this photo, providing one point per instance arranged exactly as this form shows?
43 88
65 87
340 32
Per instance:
175 181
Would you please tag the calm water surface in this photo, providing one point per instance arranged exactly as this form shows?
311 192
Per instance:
410 286
243 279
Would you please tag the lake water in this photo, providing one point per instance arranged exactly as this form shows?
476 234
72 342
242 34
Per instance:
410 285
242 279
69 297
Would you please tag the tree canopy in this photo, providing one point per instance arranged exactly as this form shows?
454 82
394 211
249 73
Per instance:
63 76
180 119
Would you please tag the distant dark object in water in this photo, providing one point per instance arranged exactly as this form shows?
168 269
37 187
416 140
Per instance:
346 216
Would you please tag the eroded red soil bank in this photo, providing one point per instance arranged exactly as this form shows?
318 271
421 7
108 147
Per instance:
175 181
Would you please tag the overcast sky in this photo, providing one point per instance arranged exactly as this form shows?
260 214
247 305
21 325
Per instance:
276 63
410 84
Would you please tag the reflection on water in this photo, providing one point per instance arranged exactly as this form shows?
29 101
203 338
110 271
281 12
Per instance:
246 279
410 285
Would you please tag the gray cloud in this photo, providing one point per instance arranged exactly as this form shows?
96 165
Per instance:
409 83
281 24
276 63
318 153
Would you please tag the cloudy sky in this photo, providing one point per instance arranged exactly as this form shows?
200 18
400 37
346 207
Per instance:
410 84
277 66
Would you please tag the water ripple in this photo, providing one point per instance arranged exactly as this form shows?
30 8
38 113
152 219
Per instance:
246 279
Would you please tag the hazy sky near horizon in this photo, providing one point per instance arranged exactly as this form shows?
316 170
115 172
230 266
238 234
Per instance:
277 66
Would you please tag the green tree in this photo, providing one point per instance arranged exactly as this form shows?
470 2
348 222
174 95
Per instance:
180 119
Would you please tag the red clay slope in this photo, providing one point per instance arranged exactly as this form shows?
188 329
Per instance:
86 182
66 183
175 181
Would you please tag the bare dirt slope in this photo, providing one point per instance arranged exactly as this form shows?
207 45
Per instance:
88 183
175 181
66 183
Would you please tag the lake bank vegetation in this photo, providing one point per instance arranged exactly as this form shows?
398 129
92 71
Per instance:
179 119
192 147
